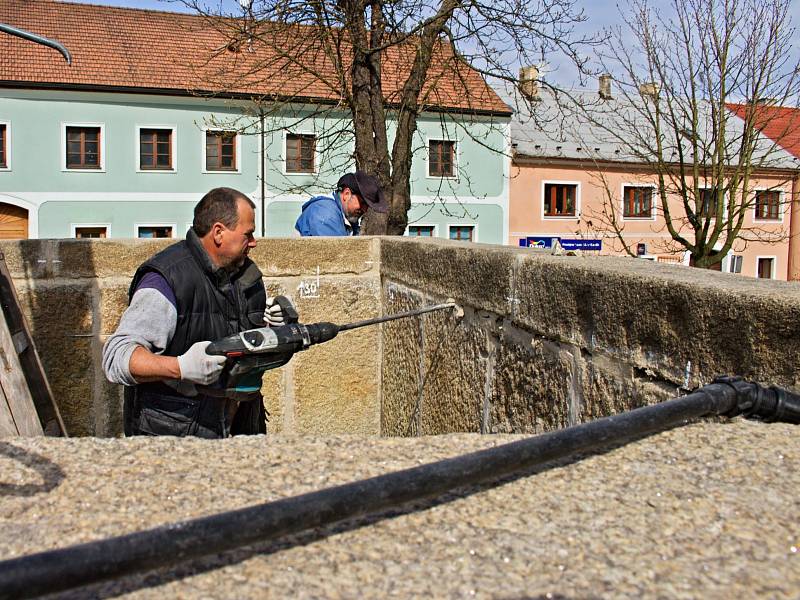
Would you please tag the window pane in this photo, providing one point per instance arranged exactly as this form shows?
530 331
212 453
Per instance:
765 268
638 202
3 162
461 232
300 153
90 232
155 232
559 199
420 230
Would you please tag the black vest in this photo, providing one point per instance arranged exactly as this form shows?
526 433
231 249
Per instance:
211 304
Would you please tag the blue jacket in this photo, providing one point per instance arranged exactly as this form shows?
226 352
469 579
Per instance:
323 215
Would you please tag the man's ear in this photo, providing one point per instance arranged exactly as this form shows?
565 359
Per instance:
216 232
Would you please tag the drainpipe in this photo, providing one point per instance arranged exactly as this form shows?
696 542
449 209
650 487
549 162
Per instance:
263 169
793 270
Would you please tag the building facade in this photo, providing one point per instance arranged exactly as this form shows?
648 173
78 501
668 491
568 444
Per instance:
122 144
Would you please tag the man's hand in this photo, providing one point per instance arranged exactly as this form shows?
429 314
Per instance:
274 315
198 367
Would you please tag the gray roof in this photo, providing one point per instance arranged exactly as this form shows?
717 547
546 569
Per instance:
579 125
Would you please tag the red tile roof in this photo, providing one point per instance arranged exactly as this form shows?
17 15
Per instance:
779 123
155 51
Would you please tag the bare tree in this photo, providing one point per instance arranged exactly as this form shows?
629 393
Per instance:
677 70
369 68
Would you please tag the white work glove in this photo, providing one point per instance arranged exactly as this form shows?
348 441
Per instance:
273 315
198 367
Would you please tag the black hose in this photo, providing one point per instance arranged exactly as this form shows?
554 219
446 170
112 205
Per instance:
66 568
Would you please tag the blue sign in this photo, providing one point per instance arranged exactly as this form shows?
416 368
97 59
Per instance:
537 242
579 244
566 244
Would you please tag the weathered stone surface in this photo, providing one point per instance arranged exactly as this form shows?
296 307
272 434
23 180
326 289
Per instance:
663 317
477 275
61 321
454 375
702 511
106 257
113 302
300 257
336 383
532 387
400 364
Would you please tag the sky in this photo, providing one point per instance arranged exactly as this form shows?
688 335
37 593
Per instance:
600 14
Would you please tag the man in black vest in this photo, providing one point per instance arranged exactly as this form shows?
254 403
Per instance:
198 290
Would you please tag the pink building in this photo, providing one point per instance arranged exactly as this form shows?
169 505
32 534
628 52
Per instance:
570 181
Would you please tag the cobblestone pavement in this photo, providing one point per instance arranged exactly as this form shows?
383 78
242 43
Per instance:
708 510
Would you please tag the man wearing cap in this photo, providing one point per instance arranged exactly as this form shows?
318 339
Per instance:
340 213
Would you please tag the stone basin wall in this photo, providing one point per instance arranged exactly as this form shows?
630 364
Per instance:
544 342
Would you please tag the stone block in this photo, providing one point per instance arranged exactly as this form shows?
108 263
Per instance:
669 319
532 384
336 383
274 392
107 257
60 318
300 257
400 365
113 302
454 383
477 275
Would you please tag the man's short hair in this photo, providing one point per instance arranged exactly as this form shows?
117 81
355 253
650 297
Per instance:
218 206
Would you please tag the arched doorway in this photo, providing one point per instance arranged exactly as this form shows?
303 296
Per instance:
13 222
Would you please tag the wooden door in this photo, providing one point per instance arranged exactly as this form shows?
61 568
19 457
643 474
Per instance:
13 222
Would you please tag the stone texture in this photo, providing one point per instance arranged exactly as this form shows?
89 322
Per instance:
400 364
477 275
664 317
531 384
701 511
61 321
300 257
336 383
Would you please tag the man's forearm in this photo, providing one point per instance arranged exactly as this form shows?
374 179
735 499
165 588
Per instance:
145 366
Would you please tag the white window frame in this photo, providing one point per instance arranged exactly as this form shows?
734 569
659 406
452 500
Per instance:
456 157
781 200
577 200
285 157
74 226
173 148
652 216
434 225
138 226
8 146
474 230
102 126
774 265
238 151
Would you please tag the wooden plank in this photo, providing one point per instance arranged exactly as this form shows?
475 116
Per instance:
15 387
7 426
33 372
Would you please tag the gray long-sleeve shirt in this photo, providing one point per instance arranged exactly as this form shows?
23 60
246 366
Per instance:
149 321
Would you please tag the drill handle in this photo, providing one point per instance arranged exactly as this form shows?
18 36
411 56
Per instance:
289 311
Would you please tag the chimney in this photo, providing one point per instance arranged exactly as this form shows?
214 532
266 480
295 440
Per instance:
529 82
650 88
605 86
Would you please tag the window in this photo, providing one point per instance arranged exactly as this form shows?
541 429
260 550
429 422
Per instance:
559 199
154 231
735 263
90 232
765 268
83 147
441 158
637 202
768 205
155 149
465 233
220 150
300 149
3 142
707 203
421 230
